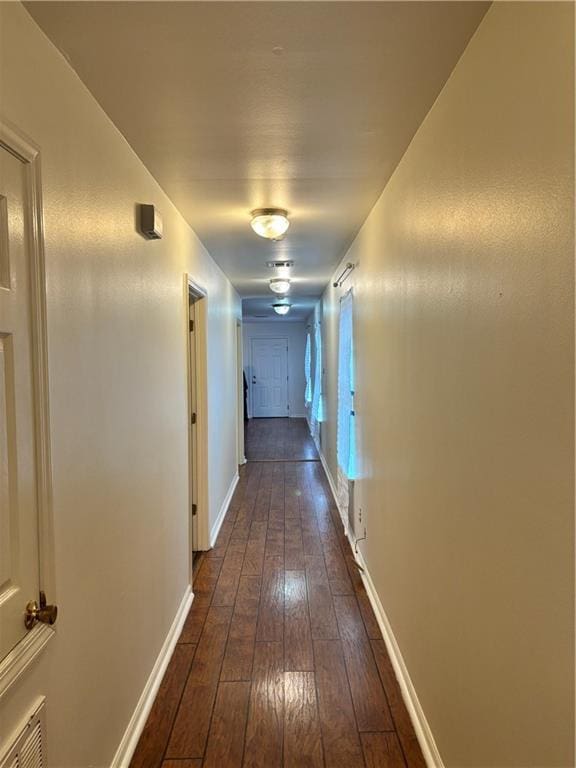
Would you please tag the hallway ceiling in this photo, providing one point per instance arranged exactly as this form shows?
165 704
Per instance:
233 106
260 308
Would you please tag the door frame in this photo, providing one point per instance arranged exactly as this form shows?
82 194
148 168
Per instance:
240 449
251 398
197 437
18 144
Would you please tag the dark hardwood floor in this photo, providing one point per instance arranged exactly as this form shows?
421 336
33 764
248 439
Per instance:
279 440
280 662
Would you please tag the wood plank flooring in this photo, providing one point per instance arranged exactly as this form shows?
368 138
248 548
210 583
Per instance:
280 663
279 440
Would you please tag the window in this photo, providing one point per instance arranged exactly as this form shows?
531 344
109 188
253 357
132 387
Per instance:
346 434
308 370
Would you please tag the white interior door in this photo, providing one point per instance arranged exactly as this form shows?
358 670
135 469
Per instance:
19 533
269 377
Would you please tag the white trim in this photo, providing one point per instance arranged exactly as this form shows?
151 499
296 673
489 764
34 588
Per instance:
223 510
297 415
197 289
240 457
343 516
138 720
20 657
417 716
328 476
197 453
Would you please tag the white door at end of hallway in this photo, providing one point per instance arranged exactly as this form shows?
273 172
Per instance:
269 377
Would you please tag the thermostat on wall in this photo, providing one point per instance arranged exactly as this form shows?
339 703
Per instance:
150 222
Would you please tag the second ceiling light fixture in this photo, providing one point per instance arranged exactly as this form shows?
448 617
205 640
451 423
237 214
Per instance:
280 284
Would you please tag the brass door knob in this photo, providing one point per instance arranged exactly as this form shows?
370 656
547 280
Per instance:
47 614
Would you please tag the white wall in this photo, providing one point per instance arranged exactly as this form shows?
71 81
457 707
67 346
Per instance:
117 363
464 339
295 333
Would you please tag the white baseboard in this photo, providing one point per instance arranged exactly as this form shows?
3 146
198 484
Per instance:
343 513
138 720
223 509
328 475
417 716
297 415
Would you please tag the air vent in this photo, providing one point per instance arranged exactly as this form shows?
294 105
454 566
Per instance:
28 750
266 316
279 264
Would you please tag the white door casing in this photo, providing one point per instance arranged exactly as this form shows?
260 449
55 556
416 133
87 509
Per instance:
192 378
26 562
197 386
241 458
269 378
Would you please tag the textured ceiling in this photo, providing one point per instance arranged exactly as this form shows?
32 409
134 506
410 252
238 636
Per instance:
234 106
260 307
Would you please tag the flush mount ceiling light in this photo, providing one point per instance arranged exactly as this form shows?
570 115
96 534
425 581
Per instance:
281 309
271 223
280 285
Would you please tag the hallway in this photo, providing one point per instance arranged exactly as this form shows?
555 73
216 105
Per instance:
281 661
287 384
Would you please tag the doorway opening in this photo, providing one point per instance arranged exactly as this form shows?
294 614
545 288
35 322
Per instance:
197 420
275 366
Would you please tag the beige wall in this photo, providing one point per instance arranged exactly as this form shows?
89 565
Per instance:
464 337
117 348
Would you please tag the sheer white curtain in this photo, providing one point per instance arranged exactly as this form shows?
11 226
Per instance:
317 395
308 370
346 428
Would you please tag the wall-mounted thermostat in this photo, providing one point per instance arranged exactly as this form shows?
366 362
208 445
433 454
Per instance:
150 222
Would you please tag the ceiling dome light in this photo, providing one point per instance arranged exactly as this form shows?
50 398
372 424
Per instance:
271 223
281 309
280 285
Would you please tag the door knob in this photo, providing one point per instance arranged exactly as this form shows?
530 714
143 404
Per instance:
253 379
47 614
